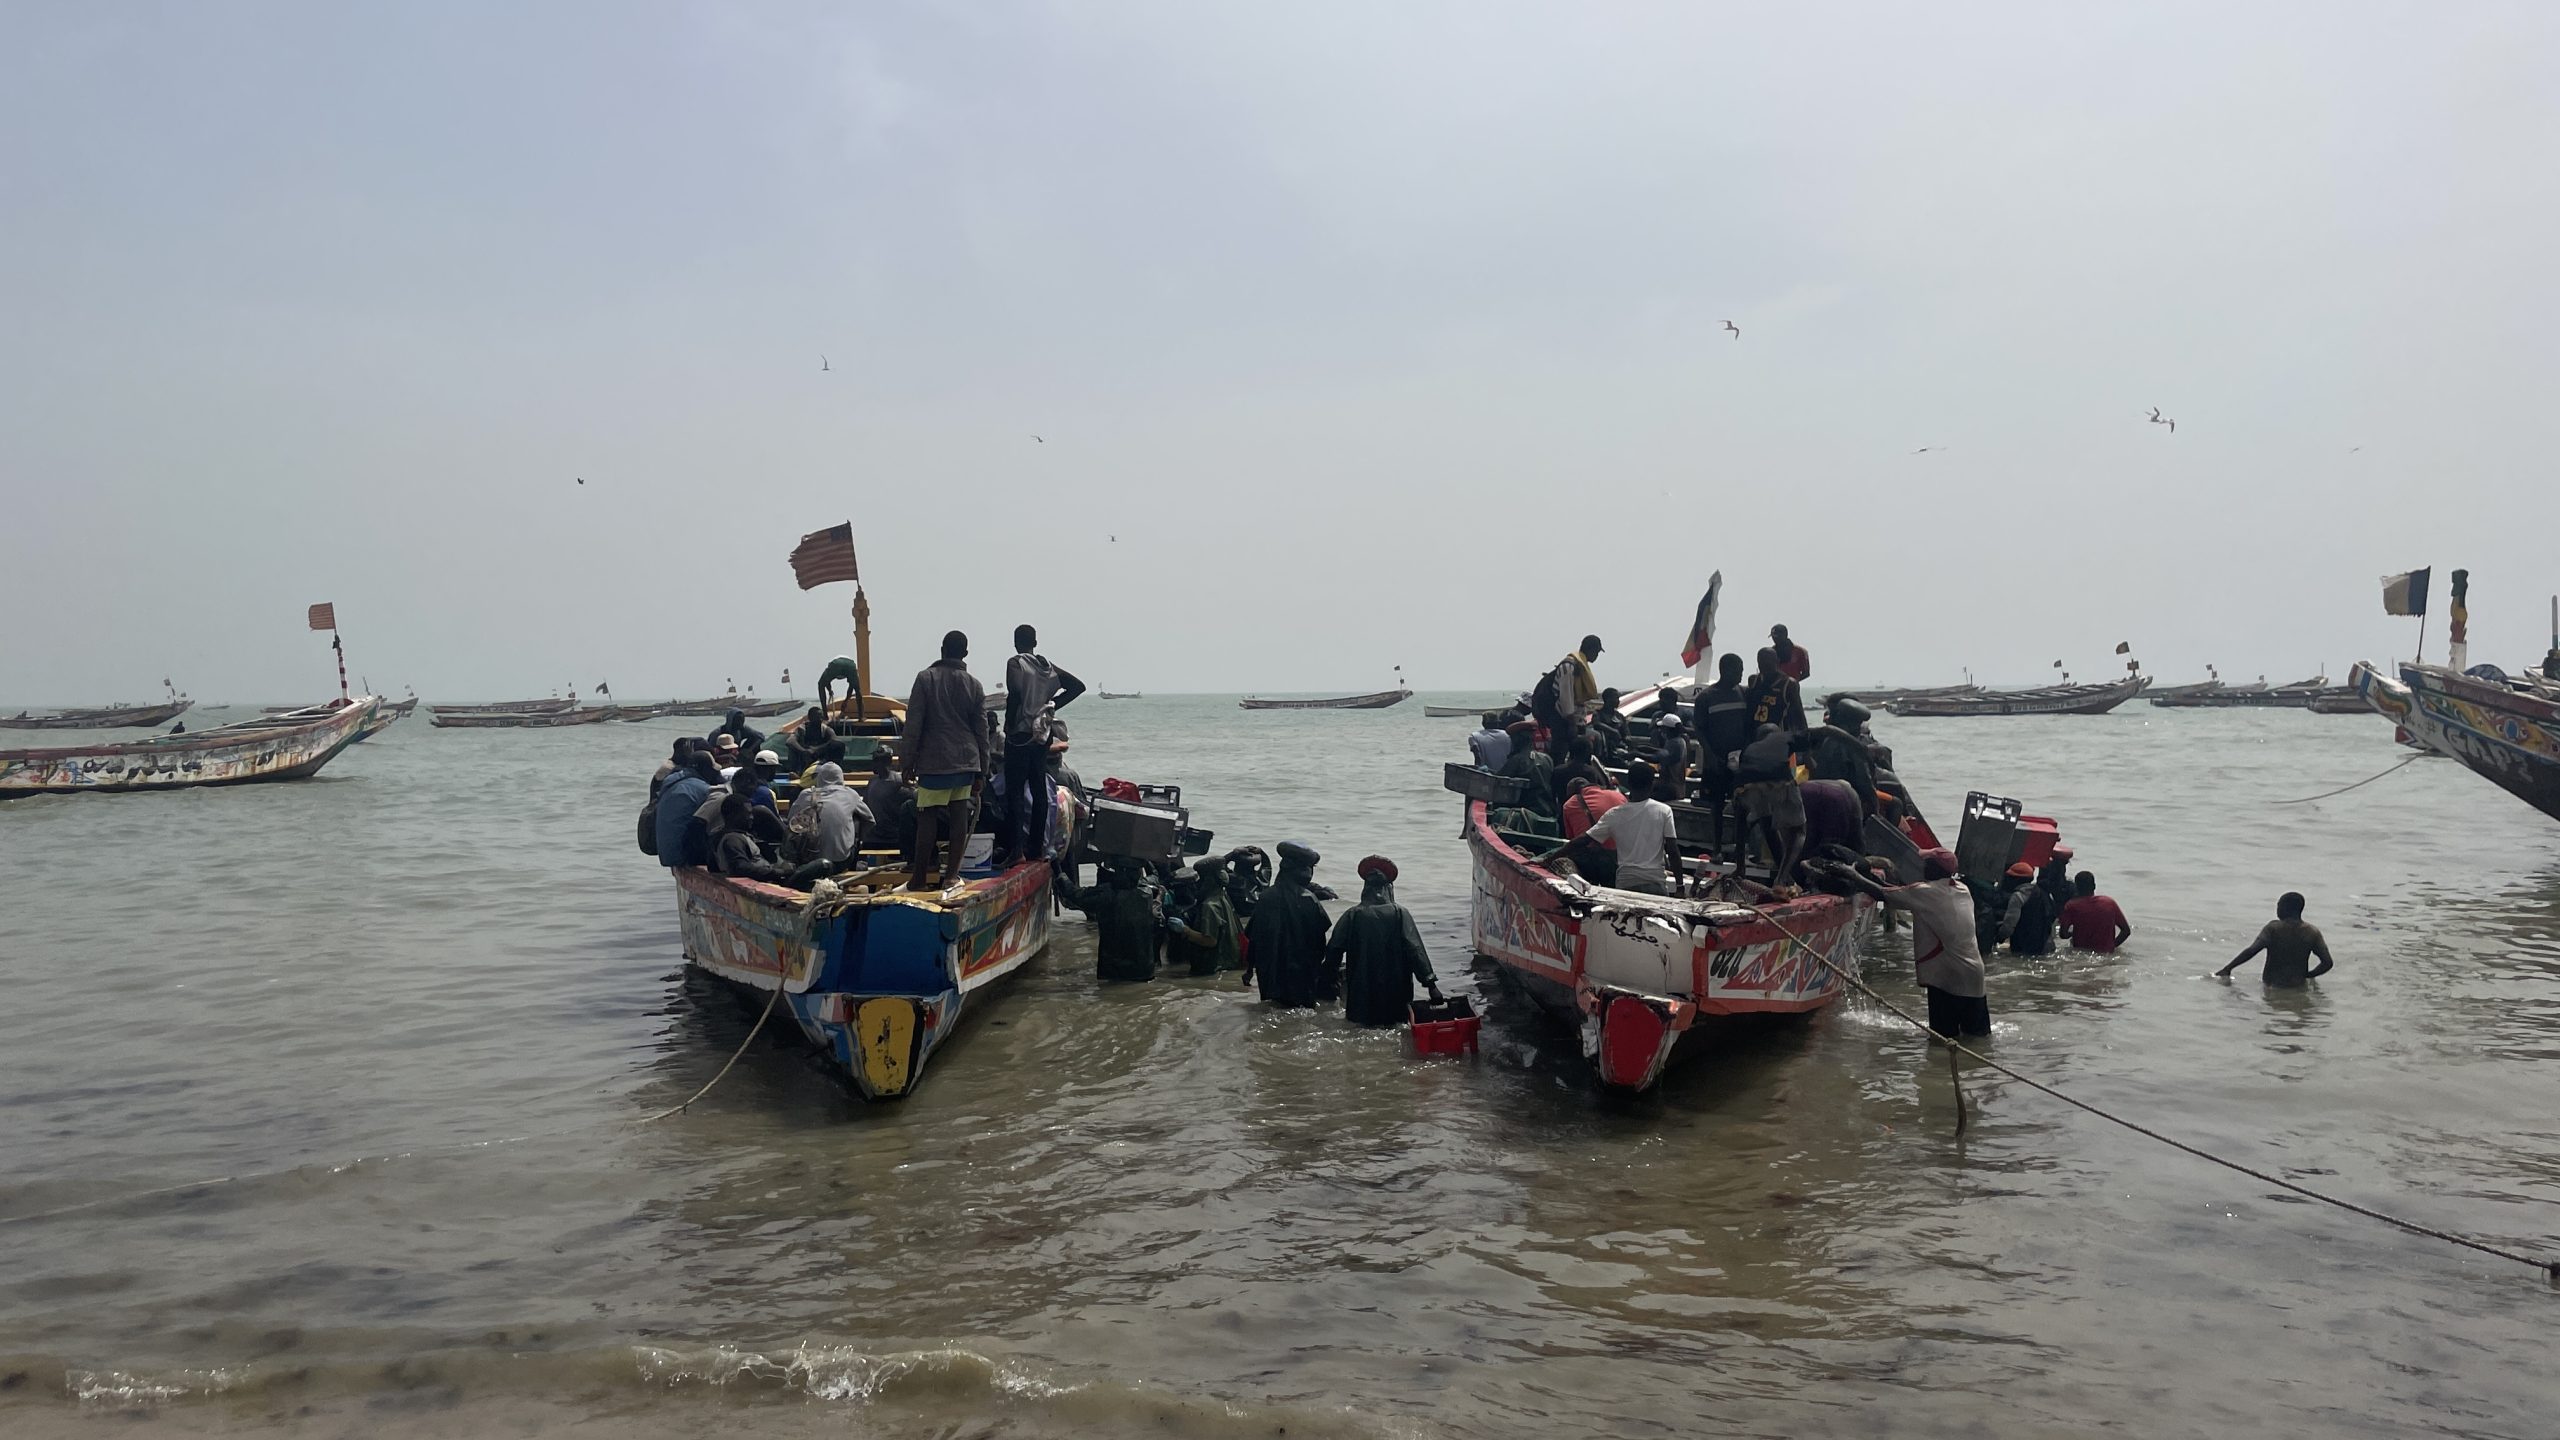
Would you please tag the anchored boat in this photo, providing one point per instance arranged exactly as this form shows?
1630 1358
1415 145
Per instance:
2506 730
274 749
2048 700
112 717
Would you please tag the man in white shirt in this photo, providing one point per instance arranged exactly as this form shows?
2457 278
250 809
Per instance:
1491 745
1642 831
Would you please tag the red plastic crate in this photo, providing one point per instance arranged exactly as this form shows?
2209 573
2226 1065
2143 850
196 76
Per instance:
1447 1028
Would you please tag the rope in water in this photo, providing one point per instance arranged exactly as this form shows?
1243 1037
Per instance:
2343 789
2550 1268
779 980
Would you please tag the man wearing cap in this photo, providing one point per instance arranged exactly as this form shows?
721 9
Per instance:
1211 933
1285 939
1792 660
1942 945
1377 953
1674 752
1567 695
2055 878
2028 923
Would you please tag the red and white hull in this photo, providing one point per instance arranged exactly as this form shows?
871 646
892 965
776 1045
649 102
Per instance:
1637 972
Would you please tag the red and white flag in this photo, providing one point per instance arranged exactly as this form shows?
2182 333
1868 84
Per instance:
1702 630
324 616
825 556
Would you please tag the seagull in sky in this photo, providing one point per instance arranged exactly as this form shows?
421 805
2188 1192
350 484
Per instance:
1035 437
2353 449
1736 329
1925 449
823 366
582 479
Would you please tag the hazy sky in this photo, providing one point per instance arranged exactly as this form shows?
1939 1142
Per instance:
1375 333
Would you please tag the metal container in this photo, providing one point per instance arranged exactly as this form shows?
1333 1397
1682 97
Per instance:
1138 832
1477 783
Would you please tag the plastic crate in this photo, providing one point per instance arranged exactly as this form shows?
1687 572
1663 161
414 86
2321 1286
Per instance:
1477 783
1449 1027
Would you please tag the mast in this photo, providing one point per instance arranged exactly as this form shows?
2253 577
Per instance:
861 647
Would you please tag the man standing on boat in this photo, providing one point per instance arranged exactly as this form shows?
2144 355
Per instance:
1942 943
1566 695
1378 952
1724 727
1285 939
1033 690
1792 660
944 747
1774 698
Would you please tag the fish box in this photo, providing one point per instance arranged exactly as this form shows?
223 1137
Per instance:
1477 783
2037 835
1695 824
1448 1027
1138 832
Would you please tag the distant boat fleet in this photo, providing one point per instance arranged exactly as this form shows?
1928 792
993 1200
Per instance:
555 712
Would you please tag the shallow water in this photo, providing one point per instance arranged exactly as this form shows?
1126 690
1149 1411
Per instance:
415 1007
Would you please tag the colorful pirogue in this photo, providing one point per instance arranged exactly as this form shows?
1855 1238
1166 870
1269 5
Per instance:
270 749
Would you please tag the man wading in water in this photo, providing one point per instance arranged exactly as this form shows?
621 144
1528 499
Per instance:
2289 942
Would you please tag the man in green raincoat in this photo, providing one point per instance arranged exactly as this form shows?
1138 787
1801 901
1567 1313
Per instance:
1127 911
1377 952
1284 941
1211 934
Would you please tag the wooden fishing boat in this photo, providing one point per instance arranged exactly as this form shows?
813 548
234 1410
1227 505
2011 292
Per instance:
1452 712
2339 700
110 717
1118 695
386 713
766 709
522 719
1378 700
507 707
2261 695
1890 697
272 749
2048 700
2507 732
878 979
2181 692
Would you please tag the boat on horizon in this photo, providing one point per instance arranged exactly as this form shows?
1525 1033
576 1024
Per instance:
2507 730
1117 695
1889 697
1452 712
2260 695
386 713
104 717
444 719
252 752
1374 700
506 707
2095 699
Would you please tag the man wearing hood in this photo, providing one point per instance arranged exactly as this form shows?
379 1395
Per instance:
826 821
1211 932
680 840
1377 952
1285 939
1128 913
749 738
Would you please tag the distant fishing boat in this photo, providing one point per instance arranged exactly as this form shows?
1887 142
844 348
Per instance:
506 707
1891 697
1376 700
445 719
110 717
272 749
2339 700
1452 712
2261 695
2508 731
2047 700
1118 695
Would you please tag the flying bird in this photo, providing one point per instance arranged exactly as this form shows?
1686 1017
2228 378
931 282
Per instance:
1925 449
1736 329
582 479
2353 449
823 366
2159 419
2155 414
1035 437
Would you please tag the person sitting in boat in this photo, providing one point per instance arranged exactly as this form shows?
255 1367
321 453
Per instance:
891 801
1208 930
945 753
1642 832
1566 695
1582 810
1491 746
1128 913
737 852
749 739
1533 765
1285 938
808 742
1792 660
1942 945
1376 954
681 837
1609 728
1581 763
826 824
681 759
724 754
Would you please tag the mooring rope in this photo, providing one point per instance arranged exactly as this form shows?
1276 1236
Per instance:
779 980
2343 789
2550 1268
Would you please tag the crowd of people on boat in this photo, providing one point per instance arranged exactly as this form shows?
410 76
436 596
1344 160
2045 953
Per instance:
779 809
1596 782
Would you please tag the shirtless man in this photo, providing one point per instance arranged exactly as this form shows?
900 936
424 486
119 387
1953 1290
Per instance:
2289 942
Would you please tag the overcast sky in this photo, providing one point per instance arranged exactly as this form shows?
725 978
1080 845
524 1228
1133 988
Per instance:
1376 334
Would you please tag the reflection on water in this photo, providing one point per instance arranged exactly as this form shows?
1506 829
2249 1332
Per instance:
418 1012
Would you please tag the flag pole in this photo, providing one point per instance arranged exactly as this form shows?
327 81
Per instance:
340 646
861 647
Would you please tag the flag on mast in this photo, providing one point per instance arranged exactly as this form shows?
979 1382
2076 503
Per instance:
324 616
2406 594
1702 630
825 557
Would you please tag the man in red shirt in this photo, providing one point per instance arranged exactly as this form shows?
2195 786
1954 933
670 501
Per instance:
2091 921
1793 662
1586 805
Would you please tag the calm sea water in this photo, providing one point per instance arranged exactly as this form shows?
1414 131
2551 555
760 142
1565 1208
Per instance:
416 1005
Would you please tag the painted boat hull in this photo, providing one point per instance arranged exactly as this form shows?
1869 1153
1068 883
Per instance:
493 707
2509 737
286 750
879 984
119 717
523 719
1379 700
1635 973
